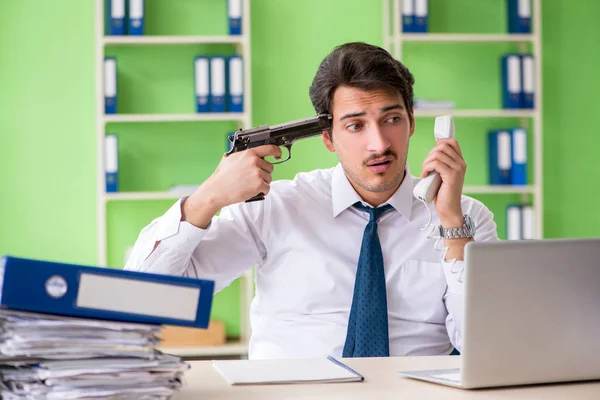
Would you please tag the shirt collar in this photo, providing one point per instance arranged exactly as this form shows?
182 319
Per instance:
343 194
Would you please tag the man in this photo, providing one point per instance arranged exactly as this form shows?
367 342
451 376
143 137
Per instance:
335 274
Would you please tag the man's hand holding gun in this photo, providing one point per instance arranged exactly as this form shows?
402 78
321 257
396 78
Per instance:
243 173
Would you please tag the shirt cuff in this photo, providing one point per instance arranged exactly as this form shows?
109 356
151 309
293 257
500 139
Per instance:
454 271
177 235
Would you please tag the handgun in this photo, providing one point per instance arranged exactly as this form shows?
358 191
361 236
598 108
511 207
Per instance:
282 135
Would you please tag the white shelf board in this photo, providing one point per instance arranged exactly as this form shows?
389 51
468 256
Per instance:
174 195
228 349
464 37
498 189
145 40
174 117
501 113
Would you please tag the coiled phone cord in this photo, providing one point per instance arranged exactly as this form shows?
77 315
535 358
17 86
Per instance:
436 245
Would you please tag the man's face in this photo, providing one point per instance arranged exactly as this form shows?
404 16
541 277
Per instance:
371 131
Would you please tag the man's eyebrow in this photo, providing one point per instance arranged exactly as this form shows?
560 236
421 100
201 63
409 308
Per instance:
352 115
362 113
392 107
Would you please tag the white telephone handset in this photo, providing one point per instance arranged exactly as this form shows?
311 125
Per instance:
427 188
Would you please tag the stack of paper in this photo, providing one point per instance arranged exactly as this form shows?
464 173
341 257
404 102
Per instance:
48 357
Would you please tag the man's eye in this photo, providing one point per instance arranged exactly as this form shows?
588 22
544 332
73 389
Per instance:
354 127
393 120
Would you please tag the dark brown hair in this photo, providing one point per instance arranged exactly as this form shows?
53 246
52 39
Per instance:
362 66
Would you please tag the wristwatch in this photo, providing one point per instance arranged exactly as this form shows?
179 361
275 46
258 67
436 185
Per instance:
467 230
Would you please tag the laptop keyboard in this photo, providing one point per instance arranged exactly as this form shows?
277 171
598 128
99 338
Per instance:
452 376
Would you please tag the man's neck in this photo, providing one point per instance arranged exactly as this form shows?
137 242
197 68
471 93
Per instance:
375 199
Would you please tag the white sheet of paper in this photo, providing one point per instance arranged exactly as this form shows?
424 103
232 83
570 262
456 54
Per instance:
252 372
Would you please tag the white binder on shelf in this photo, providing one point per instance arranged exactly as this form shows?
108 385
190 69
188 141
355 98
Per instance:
528 221
202 83
513 222
235 91
528 68
111 163
110 85
217 84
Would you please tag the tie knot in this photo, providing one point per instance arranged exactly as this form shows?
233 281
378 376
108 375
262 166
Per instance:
374 213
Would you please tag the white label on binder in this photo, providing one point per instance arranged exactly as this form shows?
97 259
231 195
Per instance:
528 227
528 74
111 154
235 8
217 76
514 74
503 149
117 8
201 71
421 8
520 146
110 77
236 72
407 7
513 221
136 9
524 8
133 296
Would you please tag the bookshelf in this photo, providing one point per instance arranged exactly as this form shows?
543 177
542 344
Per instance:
394 40
237 347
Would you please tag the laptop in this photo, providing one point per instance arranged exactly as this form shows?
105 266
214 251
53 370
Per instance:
532 314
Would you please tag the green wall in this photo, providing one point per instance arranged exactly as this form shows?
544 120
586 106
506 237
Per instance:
47 110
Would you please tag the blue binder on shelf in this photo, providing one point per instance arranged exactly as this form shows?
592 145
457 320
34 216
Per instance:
115 11
514 222
235 84
421 16
111 163
518 169
110 85
511 81
528 81
202 83
235 17
104 293
499 145
408 16
217 84
519 16
136 17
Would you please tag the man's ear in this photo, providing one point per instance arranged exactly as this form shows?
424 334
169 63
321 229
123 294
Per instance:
412 122
326 138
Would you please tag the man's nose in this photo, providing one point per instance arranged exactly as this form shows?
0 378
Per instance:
377 141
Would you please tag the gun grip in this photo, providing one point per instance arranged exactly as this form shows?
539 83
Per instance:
258 197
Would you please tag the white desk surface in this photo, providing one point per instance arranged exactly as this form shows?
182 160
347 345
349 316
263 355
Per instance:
381 382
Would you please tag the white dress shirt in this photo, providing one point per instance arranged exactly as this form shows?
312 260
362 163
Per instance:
304 240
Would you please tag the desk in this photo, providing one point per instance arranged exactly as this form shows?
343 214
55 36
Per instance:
381 382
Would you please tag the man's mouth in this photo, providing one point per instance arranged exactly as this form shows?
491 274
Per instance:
380 161
380 165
